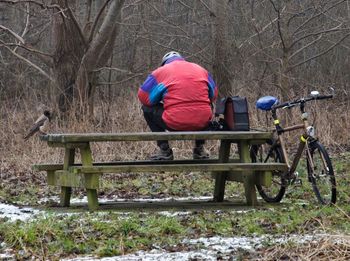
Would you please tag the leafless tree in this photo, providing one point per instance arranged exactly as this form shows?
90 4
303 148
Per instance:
251 47
293 35
80 46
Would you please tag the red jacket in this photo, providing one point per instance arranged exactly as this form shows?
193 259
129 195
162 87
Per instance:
186 90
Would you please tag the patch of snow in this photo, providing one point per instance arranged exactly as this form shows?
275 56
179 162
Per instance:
6 253
46 200
250 243
174 213
14 213
225 245
154 255
7 256
169 199
214 248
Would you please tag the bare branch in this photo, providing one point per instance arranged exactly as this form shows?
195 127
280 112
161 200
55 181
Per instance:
96 21
306 46
108 25
77 26
113 69
30 63
317 15
182 51
296 15
27 22
23 45
19 38
26 26
41 4
185 5
254 25
320 32
258 32
175 25
318 55
88 12
279 25
211 12
28 49
122 81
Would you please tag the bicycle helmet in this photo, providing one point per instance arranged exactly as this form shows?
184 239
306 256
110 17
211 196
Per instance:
169 55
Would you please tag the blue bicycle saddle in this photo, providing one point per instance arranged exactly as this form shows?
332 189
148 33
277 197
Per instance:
265 103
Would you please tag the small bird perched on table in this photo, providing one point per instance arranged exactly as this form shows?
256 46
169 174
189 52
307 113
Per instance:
41 125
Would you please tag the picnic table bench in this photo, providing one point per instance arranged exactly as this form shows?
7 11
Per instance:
87 173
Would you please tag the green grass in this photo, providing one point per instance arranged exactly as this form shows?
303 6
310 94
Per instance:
113 233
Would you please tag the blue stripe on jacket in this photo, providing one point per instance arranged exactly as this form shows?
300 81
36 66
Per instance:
155 90
211 86
149 83
156 94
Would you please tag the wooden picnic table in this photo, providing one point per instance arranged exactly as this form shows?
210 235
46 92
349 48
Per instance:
86 174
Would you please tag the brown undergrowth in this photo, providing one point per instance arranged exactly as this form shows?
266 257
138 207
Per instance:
328 248
124 115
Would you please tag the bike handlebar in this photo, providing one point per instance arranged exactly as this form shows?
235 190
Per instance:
288 105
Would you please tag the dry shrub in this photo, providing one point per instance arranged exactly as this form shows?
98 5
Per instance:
123 114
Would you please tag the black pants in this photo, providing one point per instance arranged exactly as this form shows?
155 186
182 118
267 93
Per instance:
153 117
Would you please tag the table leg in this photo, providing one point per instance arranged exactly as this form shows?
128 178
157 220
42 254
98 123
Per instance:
66 192
220 176
86 159
249 184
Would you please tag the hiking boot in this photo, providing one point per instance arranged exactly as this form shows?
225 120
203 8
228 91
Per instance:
200 153
163 154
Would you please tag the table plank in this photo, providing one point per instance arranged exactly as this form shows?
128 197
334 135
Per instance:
152 136
178 168
50 167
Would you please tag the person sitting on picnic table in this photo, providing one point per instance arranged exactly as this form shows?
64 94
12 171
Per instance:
177 96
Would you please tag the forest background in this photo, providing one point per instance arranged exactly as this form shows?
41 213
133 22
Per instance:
86 59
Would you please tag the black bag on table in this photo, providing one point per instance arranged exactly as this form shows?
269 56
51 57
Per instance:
235 112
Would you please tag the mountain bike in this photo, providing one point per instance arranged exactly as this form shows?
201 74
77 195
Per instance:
319 167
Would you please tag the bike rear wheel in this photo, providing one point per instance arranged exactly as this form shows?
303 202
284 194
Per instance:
321 175
267 153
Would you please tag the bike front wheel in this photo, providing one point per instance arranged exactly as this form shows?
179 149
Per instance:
268 153
321 174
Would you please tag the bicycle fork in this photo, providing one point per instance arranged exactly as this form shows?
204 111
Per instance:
312 163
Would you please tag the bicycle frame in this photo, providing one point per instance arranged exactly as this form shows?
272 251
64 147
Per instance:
303 143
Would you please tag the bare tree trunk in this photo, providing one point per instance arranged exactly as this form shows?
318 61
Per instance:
286 41
220 73
69 50
97 55
78 53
